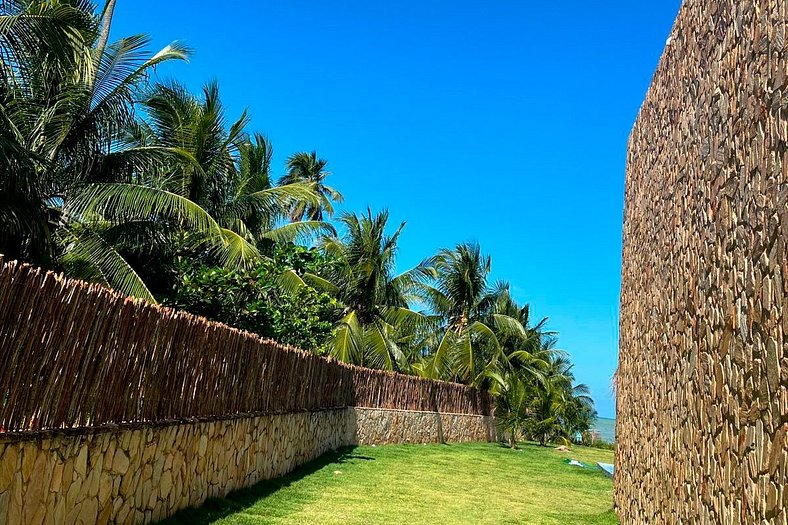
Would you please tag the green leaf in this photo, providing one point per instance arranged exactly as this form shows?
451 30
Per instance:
90 257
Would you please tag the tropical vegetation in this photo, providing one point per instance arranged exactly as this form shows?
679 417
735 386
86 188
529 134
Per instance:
114 175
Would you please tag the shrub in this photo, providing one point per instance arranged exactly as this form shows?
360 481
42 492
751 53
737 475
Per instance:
253 300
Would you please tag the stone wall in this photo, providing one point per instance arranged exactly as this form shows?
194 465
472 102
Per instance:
133 476
387 426
136 476
702 400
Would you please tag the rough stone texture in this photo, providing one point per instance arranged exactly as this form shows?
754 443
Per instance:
144 475
384 426
702 399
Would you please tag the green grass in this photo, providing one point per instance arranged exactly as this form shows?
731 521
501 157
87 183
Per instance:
425 484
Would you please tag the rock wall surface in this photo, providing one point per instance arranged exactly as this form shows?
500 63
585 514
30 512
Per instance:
385 426
702 424
141 475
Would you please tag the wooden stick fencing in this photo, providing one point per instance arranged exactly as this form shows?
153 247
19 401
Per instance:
74 354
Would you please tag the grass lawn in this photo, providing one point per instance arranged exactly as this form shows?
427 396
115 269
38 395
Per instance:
425 484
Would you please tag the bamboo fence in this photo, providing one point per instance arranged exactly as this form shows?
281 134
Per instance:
74 354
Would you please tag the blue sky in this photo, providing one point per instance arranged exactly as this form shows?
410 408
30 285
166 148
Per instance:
502 122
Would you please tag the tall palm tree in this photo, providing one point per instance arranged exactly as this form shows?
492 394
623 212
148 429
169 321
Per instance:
220 173
468 347
576 407
377 327
559 409
513 407
527 352
264 221
65 104
546 406
307 168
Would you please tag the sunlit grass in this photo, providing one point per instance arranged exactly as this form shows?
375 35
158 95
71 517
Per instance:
426 484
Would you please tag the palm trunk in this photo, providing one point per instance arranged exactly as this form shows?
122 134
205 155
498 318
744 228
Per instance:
103 37
106 23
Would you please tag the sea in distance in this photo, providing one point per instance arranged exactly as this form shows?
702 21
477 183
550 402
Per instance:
606 428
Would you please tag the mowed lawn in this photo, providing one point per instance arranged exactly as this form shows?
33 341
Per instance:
426 484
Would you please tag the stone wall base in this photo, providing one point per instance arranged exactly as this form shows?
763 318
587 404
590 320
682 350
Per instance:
139 476
389 426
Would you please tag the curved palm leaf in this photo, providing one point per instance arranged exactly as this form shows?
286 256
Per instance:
348 339
300 230
118 202
235 251
89 256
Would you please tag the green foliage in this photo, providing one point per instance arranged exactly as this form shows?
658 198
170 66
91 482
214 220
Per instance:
512 410
546 407
66 103
253 300
483 334
307 168
377 328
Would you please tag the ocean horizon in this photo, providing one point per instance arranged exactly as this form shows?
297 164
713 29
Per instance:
606 428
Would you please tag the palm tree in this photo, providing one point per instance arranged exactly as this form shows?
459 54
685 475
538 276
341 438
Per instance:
65 103
377 328
470 347
307 168
513 407
576 407
89 187
231 173
558 408
259 208
518 346
221 175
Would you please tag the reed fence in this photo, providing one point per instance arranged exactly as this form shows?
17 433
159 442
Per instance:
74 354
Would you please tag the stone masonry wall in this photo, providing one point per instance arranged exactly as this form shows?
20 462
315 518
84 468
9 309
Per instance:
702 425
146 474
386 426
143 475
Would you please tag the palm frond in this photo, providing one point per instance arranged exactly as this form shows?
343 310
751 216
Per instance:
348 343
89 256
234 250
118 202
300 230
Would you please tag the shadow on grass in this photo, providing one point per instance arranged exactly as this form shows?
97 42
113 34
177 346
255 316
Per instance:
217 508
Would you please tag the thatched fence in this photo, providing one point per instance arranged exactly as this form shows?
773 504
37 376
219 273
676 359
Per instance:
74 354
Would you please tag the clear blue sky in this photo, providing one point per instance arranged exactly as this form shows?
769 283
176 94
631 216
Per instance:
502 122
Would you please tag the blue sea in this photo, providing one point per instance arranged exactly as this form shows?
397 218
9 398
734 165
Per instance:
606 428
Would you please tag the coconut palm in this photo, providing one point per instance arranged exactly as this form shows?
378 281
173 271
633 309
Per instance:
559 409
308 169
259 208
513 407
65 105
575 405
232 176
470 347
377 327
222 174
519 346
